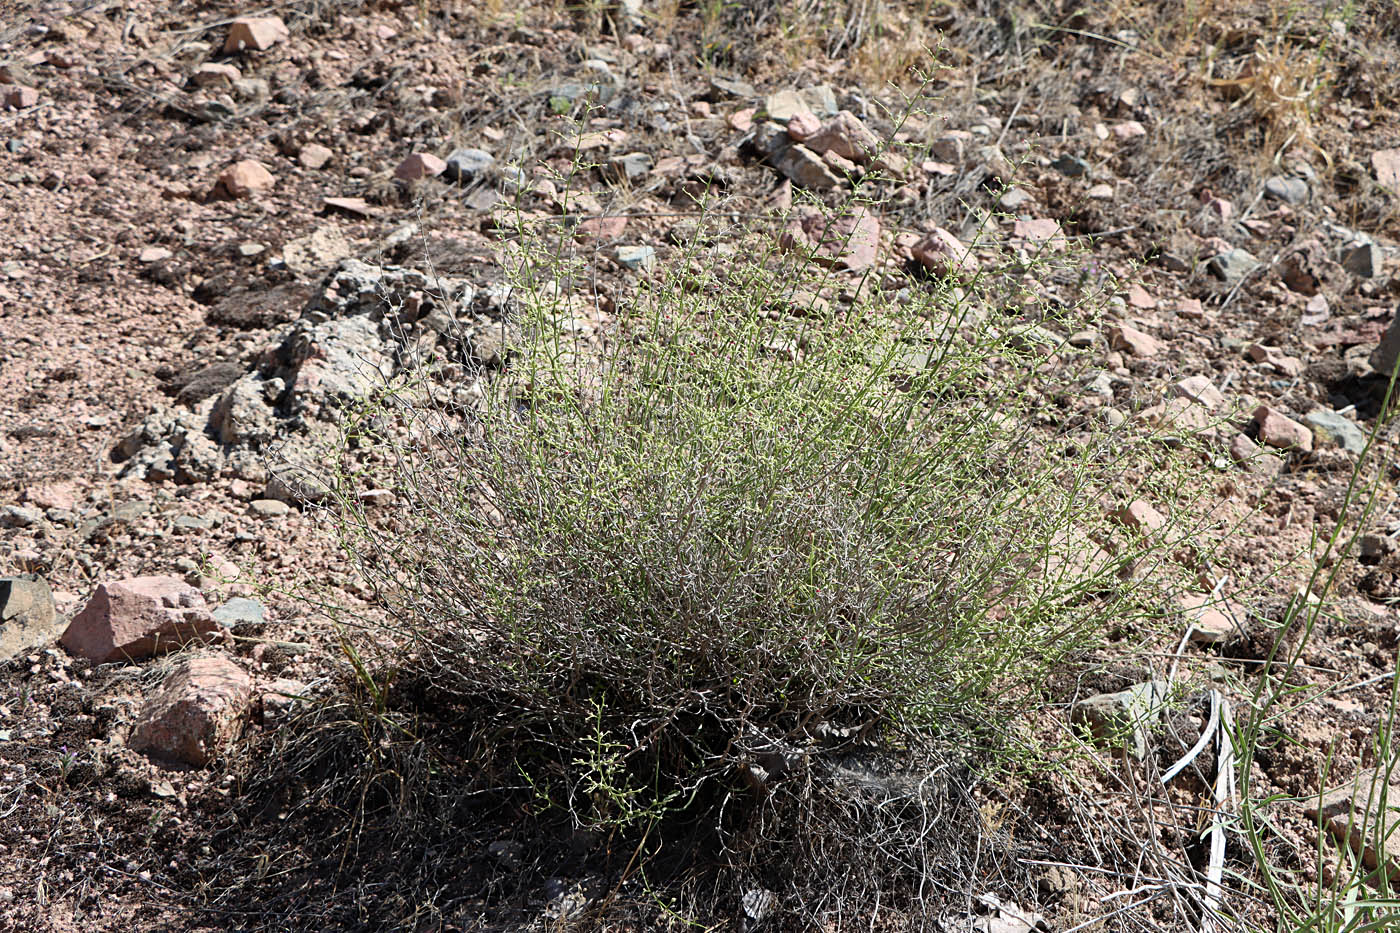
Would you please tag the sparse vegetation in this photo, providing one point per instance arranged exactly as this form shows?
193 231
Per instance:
729 564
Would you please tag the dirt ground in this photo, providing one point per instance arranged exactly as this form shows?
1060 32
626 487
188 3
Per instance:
1157 136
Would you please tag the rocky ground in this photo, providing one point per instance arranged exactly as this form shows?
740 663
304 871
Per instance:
204 218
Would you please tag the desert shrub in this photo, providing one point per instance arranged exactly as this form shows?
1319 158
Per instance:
742 574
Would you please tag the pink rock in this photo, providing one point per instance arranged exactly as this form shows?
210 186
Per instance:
850 241
1139 298
53 496
1199 389
1278 430
215 74
602 228
846 137
1130 129
1221 207
742 120
357 207
1180 415
1211 621
1141 516
138 618
1039 230
245 178
420 165
18 97
1287 365
1243 450
1386 162
944 254
1123 337
198 710
255 32
314 155
803 125
1191 308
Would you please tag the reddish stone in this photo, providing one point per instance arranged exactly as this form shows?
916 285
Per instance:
255 32
850 241
1134 341
742 120
844 135
138 618
803 125
197 712
1199 389
212 74
314 155
53 496
1250 457
420 165
1286 365
244 178
1039 230
1278 430
1386 162
357 207
1140 298
1191 308
19 97
944 254
602 228
1141 516
1209 624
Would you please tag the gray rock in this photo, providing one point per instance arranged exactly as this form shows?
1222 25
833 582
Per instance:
1363 260
1123 718
208 382
1233 265
784 105
492 344
269 508
1383 358
770 138
1335 429
731 87
198 460
1373 547
599 83
804 168
1070 166
632 167
636 258
352 336
242 417
251 89
292 483
17 516
241 613
468 165
1013 199
26 615
1287 188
